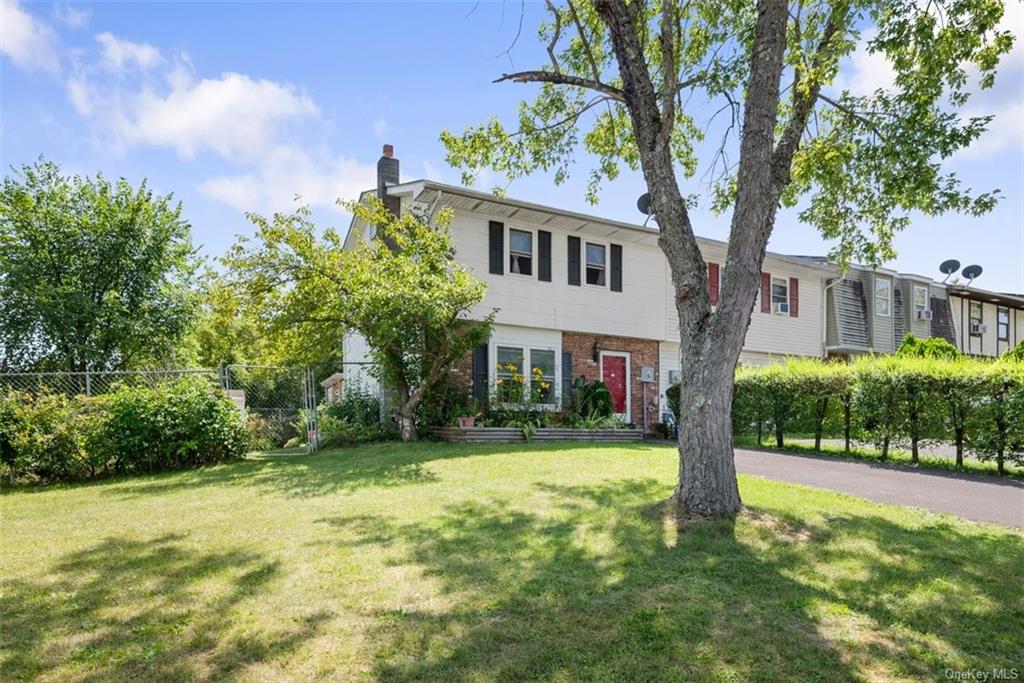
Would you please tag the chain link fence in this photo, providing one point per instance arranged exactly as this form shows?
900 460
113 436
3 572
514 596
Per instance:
279 401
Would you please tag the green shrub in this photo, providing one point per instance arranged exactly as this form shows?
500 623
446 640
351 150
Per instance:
932 347
353 418
996 425
271 431
48 436
591 399
1016 354
175 426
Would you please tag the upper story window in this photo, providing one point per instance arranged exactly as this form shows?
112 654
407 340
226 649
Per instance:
883 297
780 295
1003 324
920 300
975 318
520 252
596 264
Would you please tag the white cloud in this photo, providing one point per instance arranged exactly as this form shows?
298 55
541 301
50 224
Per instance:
867 71
27 41
80 95
287 172
380 127
71 16
120 54
1006 131
235 116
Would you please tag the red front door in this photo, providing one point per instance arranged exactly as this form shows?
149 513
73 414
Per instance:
613 373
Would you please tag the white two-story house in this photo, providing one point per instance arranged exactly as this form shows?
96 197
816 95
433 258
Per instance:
580 295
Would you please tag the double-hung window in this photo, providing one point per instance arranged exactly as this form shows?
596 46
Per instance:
520 252
975 318
920 301
542 376
596 264
1003 324
780 295
883 297
518 380
509 376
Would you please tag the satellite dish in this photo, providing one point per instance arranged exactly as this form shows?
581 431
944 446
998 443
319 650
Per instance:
971 272
644 204
949 267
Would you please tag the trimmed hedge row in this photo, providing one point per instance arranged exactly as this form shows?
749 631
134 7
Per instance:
889 401
53 437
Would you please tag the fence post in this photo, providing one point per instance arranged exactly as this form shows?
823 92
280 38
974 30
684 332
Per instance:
88 383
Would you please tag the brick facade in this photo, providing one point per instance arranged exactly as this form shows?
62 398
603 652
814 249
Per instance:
642 353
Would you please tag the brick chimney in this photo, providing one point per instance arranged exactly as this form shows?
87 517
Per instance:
387 174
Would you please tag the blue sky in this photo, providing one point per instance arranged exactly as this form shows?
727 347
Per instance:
240 106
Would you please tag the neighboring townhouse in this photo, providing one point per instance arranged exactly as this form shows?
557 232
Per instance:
872 310
985 323
579 295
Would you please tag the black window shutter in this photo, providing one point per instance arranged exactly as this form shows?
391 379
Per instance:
480 373
566 378
497 247
616 267
544 255
574 260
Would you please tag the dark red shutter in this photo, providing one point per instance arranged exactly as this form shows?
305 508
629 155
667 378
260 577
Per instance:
794 297
713 282
766 292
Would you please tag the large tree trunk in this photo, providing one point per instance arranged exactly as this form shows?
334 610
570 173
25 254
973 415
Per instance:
707 472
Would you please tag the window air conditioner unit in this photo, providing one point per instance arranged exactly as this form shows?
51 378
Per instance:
978 328
781 308
924 315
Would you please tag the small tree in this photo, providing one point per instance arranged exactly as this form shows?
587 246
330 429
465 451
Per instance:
403 292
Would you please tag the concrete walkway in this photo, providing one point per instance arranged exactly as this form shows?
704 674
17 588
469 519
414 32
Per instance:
975 497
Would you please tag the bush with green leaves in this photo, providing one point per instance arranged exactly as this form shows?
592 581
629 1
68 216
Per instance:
352 418
185 424
53 437
48 436
996 424
931 347
591 399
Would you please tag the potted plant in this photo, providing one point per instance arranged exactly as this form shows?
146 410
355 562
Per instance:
466 421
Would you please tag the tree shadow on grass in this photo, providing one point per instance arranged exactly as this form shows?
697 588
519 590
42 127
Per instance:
605 587
333 471
141 610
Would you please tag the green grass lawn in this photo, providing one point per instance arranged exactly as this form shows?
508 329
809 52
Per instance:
444 562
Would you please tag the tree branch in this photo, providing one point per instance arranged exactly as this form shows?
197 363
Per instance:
852 114
564 79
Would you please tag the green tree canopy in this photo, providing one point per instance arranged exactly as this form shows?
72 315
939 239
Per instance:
403 292
631 83
94 274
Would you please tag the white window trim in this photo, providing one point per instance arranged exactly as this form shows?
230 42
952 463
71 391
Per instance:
913 299
627 416
1003 309
508 252
607 263
771 294
887 299
971 319
525 349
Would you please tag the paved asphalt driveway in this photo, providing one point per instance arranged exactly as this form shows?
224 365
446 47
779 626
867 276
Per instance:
980 498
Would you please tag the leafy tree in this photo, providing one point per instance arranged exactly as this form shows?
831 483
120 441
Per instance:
222 331
403 292
93 274
622 82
